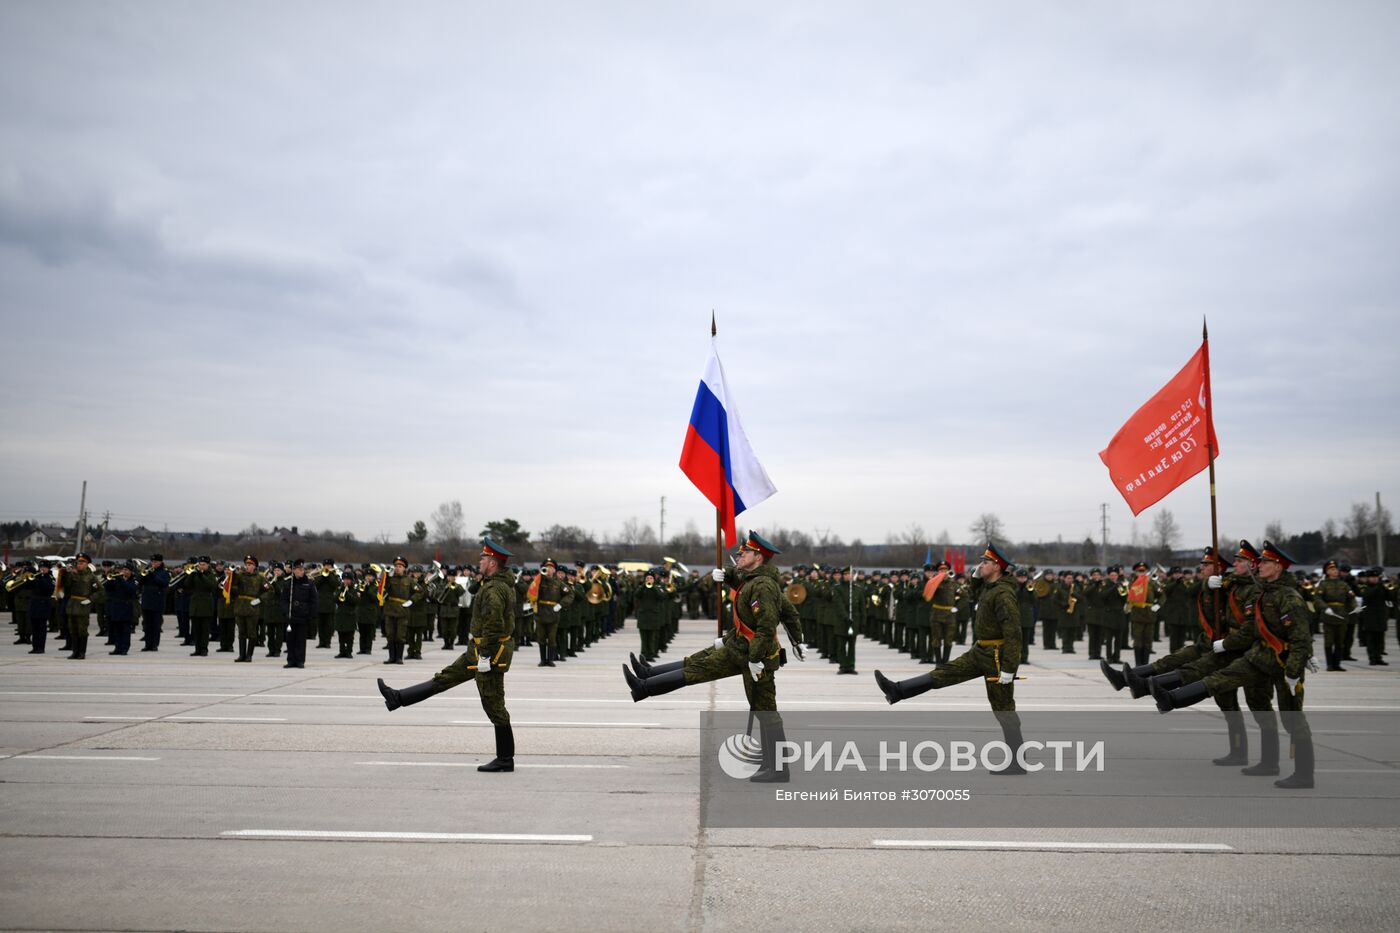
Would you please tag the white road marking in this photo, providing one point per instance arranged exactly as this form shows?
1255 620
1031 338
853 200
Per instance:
1357 771
186 718
473 764
87 693
997 844
84 758
552 722
393 837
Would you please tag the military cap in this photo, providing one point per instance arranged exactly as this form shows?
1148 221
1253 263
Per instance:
992 554
1276 554
158 557
327 561
493 550
943 565
1048 572
202 559
756 542
249 559
275 565
1327 566
416 568
107 563
1209 556
928 566
298 562
579 564
1346 568
347 575
401 560
83 557
364 566
1140 565
548 562
1021 572
1247 551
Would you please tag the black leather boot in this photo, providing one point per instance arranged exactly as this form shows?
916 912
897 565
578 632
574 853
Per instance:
1302 776
1115 678
417 693
896 690
1157 685
1239 741
1139 679
1181 697
657 684
639 667
1268 749
770 732
1011 732
544 655
505 751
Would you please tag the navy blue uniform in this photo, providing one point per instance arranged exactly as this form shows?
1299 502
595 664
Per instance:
121 611
154 585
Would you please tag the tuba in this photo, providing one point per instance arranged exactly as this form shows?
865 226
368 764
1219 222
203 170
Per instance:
595 593
796 593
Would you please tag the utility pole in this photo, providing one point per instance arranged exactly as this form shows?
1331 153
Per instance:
1380 534
1103 547
82 520
102 545
662 534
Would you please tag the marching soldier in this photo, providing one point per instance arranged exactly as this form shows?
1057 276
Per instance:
1276 660
487 658
994 656
1334 602
750 649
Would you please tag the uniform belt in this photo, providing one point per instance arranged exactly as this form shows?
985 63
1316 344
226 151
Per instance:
395 599
1330 603
245 597
944 608
991 642
549 602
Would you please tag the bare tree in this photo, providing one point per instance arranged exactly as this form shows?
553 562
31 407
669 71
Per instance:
1165 532
448 523
943 538
987 527
1360 522
1273 531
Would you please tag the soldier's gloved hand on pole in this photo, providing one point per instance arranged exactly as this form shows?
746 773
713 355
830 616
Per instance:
756 669
719 642
558 608
255 602
717 575
1214 582
483 665
1292 683
407 603
1156 607
1006 677
1328 612
86 602
1218 646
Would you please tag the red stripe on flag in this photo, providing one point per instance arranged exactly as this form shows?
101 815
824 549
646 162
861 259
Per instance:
701 464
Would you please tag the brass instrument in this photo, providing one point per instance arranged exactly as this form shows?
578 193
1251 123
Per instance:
595 593
1041 588
796 593
875 599
1073 600
1123 590
16 580
184 572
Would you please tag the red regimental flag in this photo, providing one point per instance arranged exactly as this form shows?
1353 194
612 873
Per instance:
1166 441
1137 592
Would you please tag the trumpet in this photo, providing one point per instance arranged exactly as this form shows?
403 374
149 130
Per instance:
15 580
184 572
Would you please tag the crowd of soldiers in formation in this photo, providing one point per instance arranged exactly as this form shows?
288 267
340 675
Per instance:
921 614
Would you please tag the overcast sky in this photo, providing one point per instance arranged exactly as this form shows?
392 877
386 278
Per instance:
333 264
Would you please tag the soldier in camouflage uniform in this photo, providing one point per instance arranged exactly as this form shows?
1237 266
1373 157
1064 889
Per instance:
1276 661
749 650
487 657
448 601
555 597
993 658
400 592
419 624
942 609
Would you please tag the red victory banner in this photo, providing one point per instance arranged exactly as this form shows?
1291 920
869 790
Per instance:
1168 440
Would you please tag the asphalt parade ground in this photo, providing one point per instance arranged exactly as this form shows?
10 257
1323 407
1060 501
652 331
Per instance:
165 792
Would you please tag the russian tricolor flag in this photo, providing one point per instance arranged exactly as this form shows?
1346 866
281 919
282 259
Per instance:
717 456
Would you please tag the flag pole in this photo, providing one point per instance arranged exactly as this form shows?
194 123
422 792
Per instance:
719 535
1210 451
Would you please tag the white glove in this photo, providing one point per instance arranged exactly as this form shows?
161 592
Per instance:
1329 612
558 608
255 602
717 575
407 603
756 669
1292 683
1218 646
1127 610
483 665
1006 677
719 642
85 602
1156 607
1360 603
1214 582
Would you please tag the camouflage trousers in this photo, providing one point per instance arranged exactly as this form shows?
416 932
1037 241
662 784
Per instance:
943 627
491 686
546 631
396 628
1258 698
79 620
1143 631
979 661
719 663
1261 677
